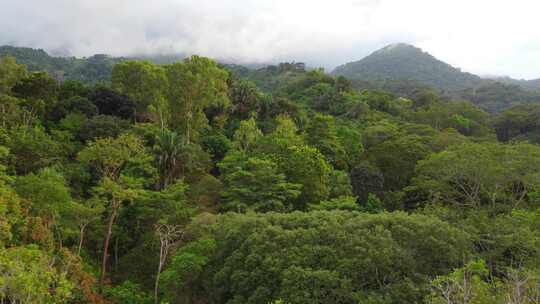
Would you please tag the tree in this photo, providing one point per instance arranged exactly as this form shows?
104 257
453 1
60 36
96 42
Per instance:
518 123
110 157
38 86
322 134
75 104
476 174
320 256
340 203
366 179
168 234
305 286
28 276
194 84
102 126
31 148
176 158
396 158
254 183
245 98
10 74
110 102
307 166
169 149
373 204
185 269
247 135
80 216
144 82
463 286
47 194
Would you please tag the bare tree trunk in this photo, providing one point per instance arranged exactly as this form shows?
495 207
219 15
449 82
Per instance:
106 245
160 266
81 238
116 253
167 234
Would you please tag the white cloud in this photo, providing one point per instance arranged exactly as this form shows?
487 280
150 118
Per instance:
481 36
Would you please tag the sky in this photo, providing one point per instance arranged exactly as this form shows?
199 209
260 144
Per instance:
485 37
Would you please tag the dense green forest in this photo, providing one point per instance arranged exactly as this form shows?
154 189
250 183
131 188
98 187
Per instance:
402 69
195 182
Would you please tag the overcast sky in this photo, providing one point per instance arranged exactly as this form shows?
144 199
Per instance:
496 37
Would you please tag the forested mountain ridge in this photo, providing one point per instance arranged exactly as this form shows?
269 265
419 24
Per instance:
195 182
403 69
533 84
403 61
87 70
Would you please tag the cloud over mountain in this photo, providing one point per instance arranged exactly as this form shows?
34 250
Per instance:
325 33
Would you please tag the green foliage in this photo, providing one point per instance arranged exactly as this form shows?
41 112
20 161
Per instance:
247 135
109 156
518 123
322 134
47 193
27 276
464 285
31 148
144 82
194 84
186 268
340 203
299 257
255 184
366 179
91 70
373 204
402 61
102 126
307 166
480 174
128 293
396 158
496 96
128 182
10 74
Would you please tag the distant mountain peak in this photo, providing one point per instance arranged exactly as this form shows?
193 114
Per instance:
398 46
405 61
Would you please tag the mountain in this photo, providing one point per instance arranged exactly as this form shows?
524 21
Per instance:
92 69
533 84
496 96
404 61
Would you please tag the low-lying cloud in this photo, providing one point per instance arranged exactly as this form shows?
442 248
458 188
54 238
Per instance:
481 36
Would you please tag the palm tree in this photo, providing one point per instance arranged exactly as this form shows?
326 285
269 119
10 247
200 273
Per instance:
169 149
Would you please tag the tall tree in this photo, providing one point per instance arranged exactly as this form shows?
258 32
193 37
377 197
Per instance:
10 74
110 157
143 82
169 149
252 183
194 84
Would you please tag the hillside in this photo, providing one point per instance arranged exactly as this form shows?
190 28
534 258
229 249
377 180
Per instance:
275 185
403 61
533 84
89 70
498 96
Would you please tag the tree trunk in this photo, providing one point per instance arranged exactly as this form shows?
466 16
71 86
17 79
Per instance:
81 238
116 253
156 285
106 245
162 256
